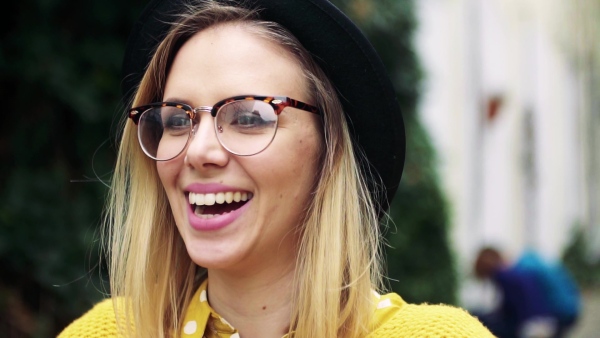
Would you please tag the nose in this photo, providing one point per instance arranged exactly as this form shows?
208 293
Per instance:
205 151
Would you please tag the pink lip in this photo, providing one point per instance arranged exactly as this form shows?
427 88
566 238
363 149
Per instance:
216 222
210 188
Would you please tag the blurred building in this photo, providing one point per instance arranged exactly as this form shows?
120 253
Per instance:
511 100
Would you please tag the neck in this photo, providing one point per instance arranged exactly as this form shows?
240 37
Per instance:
257 305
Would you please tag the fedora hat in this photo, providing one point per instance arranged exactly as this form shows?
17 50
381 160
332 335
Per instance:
338 47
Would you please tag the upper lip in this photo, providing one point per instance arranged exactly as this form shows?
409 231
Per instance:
211 188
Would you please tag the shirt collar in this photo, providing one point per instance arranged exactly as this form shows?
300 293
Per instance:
201 320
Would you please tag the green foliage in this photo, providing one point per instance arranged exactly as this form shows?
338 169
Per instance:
419 260
390 26
60 65
577 260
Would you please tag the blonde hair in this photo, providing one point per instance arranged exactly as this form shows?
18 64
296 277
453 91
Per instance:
338 264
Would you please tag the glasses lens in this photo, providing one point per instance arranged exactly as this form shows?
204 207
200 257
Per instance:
246 127
164 132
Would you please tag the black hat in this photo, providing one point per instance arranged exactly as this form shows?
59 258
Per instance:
338 47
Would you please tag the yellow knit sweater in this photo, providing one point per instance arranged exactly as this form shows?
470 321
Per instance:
392 318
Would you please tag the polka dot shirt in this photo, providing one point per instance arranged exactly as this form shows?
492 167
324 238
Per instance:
202 321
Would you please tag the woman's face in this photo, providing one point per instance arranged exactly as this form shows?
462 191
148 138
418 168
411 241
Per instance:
218 63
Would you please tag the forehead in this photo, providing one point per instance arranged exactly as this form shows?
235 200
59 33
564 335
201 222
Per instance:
236 59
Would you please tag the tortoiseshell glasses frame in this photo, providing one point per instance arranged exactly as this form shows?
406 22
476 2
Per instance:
245 125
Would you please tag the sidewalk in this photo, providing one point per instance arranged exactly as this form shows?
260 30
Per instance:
589 323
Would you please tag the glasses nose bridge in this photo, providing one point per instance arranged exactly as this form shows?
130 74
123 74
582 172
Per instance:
197 110
200 109
195 115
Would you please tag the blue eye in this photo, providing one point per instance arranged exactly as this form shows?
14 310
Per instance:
177 121
247 119
174 118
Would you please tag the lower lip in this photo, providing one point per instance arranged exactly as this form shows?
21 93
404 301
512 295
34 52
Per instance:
216 222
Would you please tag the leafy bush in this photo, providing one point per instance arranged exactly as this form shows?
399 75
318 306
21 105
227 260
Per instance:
576 258
419 260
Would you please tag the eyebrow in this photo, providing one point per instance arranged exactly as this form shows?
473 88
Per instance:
177 100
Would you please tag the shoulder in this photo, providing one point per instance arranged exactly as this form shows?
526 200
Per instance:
98 322
396 318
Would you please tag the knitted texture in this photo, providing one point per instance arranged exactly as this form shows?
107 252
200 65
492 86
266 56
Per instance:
429 321
99 322
399 320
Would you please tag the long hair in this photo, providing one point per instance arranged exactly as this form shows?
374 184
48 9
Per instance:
338 264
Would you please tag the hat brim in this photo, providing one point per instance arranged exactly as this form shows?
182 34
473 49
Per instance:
338 47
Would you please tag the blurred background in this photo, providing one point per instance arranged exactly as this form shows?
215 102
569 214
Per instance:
500 103
510 98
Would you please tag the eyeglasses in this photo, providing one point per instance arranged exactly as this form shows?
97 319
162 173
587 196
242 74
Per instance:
244 125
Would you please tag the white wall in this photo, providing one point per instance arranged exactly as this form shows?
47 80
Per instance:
516 180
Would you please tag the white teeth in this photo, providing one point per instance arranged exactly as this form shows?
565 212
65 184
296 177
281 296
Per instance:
209 199
218 198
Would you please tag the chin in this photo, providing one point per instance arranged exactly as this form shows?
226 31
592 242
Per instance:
213 257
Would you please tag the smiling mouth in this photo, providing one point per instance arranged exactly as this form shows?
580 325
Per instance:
212 205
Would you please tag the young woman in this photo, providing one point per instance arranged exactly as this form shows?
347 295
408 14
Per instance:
263 143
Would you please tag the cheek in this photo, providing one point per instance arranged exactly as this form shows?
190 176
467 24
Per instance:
309 149
303 165
168 172
163 172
